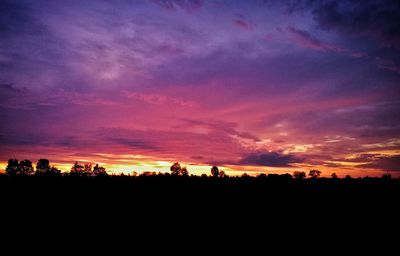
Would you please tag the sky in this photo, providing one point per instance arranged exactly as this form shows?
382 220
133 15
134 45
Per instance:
249 86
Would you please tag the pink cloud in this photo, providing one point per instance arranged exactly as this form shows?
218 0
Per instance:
158 99
358 54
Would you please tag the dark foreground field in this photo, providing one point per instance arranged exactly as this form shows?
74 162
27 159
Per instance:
206 209
166 195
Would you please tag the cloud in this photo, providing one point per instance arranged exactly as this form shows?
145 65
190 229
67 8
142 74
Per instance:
305 40
10 88
242 24
187 5
368 25
172 143
24 99
273 159
158 99
132 143
372 19
387 64
229 128
361 158
386 163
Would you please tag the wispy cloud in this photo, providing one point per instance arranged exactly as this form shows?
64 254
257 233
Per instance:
385 163
187 5
305 40
157 99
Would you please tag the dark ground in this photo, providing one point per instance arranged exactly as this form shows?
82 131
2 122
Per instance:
168 193
158 206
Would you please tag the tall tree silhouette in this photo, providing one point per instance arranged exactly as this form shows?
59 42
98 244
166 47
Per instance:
175 169
12 168
42 167
215 171
25 167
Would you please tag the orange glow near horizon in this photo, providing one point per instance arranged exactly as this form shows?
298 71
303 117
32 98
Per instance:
231 170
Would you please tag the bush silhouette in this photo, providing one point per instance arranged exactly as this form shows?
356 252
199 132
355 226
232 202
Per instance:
299 175
99 171
215 171
177 170
78 170
314 174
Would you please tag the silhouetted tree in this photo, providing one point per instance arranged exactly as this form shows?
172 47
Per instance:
53 171
215 171
245 175
262 176
99 170
25 167
42 167
175 169
314 174
12 168
299 175
286 176
87 169
348 177
77 170
386 176
222 174
184 171
334 175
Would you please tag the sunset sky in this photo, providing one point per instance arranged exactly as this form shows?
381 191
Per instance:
254 86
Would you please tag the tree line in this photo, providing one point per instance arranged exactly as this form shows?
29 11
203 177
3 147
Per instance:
43 168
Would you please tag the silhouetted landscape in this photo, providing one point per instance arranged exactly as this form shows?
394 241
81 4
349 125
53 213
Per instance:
85 187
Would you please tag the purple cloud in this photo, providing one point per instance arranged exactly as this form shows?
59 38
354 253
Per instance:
187 5
272 159
305 40
385 163
241 24
377 20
